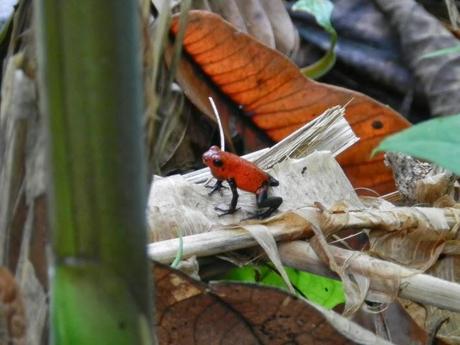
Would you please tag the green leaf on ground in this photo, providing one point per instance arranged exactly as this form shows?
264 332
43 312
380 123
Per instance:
320 290
243 274
435 140
322 11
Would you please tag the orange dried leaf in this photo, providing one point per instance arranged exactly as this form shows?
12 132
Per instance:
278 99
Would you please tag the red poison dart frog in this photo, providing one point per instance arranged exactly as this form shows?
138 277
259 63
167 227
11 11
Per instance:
242 174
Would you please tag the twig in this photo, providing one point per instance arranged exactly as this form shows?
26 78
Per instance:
221 241
216 242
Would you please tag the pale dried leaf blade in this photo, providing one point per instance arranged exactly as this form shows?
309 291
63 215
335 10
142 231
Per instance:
330 131
177 203
417 247
174 202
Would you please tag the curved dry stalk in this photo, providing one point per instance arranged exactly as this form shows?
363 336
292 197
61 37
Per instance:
413 285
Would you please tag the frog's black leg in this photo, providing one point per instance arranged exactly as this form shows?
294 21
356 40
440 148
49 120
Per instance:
264 201
273 182
234 201
216 187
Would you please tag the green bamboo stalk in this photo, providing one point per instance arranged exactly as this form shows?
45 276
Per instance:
91 88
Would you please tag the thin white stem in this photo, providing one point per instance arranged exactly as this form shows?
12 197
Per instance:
219 123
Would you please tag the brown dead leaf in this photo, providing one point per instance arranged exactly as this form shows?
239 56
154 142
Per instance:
187 313
190 312
277 318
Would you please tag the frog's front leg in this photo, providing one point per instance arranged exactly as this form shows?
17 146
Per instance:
233 203
216 187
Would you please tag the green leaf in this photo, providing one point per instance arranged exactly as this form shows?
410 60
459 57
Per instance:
180 250
322 11
243 274
324 291
320 290
436 140
269 276
441 52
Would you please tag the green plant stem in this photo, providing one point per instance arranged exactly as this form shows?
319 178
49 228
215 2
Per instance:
91 89
322 11
180 251
323 65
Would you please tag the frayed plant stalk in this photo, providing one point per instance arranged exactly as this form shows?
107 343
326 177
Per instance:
226 239
330 131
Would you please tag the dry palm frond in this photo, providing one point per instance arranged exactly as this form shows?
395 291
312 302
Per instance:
330 131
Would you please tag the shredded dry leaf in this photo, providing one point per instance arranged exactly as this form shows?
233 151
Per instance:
355 286
265 239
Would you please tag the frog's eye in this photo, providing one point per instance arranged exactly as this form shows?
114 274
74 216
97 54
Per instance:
217 162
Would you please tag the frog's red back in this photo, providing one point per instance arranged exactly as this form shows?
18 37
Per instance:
248 176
